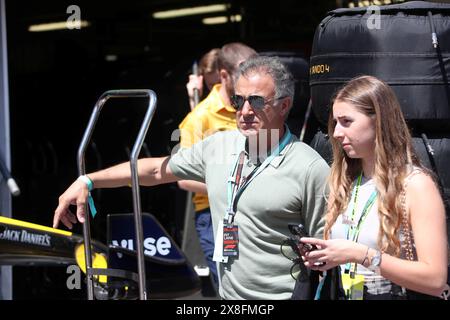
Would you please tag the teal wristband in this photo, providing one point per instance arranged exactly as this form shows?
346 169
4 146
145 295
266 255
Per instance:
88 182
90 186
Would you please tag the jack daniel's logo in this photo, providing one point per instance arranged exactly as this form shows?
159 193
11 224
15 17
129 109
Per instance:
25 237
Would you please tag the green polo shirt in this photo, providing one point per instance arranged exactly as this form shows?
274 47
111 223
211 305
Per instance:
291 189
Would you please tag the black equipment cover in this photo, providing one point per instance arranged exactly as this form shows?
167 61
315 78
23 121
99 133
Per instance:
399 50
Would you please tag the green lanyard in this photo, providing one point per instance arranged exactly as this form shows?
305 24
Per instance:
353 231
237 184
355 198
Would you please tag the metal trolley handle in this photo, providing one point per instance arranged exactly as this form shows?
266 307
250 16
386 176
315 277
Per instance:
134 180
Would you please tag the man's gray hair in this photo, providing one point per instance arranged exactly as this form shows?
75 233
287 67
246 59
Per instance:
283 79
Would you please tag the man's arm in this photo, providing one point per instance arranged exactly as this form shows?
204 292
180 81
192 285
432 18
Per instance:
151 171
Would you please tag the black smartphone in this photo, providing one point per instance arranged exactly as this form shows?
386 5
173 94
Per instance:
299 231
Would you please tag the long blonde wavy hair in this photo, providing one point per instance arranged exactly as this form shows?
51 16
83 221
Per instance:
393 156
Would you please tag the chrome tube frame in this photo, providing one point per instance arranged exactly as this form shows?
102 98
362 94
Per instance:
134 181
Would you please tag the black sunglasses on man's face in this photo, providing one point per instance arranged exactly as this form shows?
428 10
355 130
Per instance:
255 101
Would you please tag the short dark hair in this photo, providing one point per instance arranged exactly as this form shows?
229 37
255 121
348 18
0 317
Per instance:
231 54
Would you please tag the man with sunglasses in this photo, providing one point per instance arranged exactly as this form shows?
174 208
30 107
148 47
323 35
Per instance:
259 179
213 114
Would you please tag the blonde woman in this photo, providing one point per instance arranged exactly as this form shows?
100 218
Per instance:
377 181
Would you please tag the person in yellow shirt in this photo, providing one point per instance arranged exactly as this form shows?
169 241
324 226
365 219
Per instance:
213 114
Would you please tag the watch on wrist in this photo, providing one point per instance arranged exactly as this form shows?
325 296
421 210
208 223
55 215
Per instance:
375 262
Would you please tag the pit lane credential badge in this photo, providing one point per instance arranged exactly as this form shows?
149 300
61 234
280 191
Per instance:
230 241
